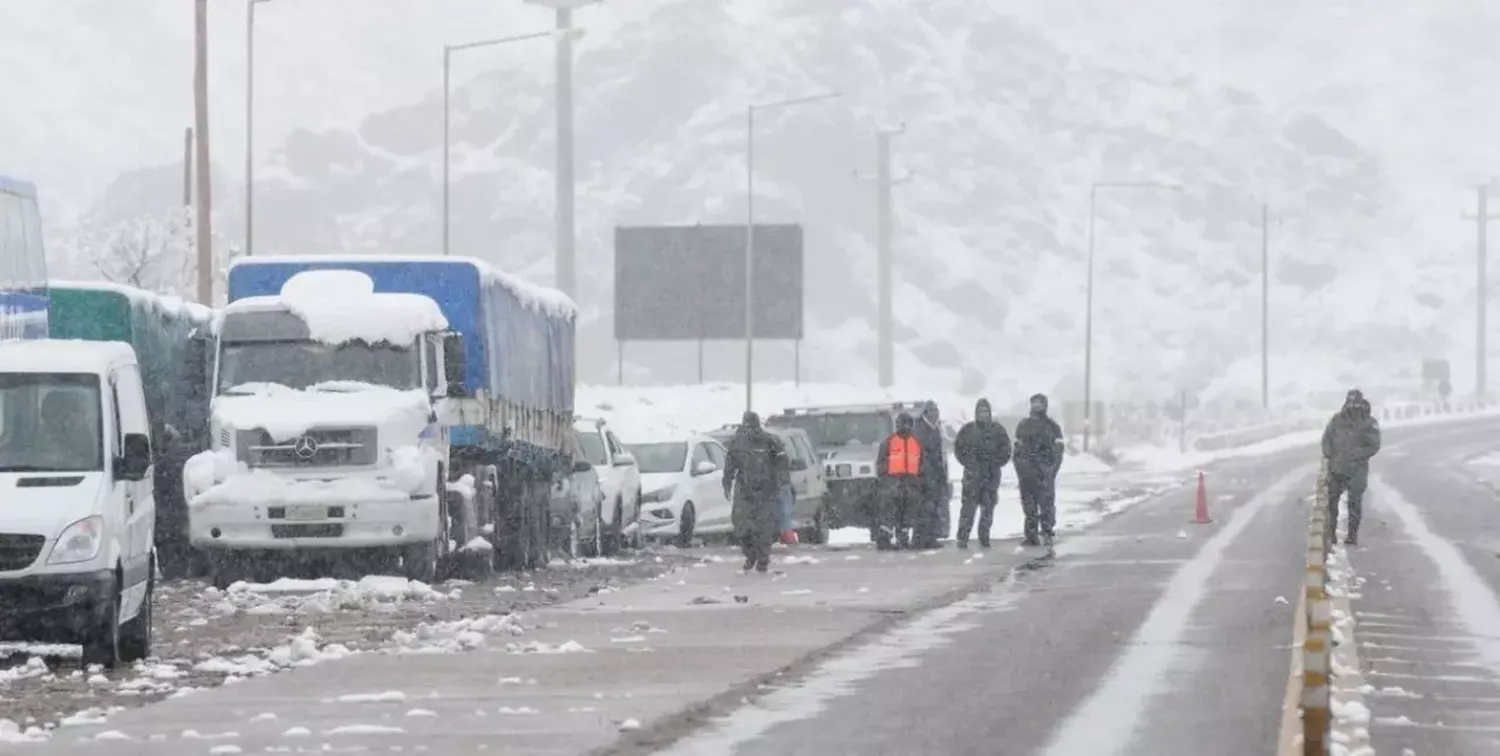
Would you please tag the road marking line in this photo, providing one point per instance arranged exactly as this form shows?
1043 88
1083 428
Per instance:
1105 723
1474 603
1289 743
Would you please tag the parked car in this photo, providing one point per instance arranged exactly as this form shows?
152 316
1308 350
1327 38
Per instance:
577 520
683 480
809 481
620 479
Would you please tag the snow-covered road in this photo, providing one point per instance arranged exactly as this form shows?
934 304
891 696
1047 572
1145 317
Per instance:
206 637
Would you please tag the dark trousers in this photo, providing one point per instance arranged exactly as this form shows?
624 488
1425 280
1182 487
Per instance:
1353 484
1039 503
903 505
980 496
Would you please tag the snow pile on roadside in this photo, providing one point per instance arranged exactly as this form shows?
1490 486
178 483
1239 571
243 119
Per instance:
10 732
32 667
456 635
340 306
323 596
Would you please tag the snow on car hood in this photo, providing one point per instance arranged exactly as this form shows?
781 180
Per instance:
46 510
287 413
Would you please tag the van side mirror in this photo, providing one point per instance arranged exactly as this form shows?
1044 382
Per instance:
583 466
705 468
455 365
796 464
195 368
135 457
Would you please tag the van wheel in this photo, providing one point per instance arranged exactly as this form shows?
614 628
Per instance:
101 643
136 636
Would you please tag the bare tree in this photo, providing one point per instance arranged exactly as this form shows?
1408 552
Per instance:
155 252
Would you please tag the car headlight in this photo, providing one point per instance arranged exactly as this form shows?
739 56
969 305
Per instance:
659 495
79 542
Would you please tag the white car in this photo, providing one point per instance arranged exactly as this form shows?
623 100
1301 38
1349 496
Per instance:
619 478
683 480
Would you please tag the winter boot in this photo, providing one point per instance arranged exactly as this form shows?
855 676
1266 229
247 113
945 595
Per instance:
963 544
1047 539
749 564
1031 541
763 565
1352 539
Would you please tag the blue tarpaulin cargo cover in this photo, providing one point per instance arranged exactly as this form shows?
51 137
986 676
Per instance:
518 337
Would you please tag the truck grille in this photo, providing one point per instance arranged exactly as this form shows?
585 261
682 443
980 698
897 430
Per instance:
19 551
321 447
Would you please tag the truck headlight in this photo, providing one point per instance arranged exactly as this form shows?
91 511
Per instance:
79 542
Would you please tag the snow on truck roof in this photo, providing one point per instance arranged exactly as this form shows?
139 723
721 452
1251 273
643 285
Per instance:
548 300
167 303
63 356
340 306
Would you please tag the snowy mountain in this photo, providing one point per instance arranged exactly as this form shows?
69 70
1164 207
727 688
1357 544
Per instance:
1010 116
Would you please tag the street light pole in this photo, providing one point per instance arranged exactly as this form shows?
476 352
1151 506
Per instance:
1088 317
448 51
566 182
250 125
750 228
1481 216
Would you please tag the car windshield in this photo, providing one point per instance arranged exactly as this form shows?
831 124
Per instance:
840 429
50 422
593 447
660 458
309 364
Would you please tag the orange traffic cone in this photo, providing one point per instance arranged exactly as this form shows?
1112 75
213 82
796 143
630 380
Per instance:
1200 515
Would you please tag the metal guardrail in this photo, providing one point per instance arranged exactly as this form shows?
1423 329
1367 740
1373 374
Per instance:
1317 649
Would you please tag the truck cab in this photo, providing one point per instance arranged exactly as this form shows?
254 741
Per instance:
77 519
325 429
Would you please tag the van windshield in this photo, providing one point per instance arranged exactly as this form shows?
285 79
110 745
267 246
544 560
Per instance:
307 364
50 422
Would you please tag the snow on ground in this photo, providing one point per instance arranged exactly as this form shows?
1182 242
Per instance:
206 637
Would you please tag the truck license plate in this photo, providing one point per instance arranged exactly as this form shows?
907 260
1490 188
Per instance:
305 513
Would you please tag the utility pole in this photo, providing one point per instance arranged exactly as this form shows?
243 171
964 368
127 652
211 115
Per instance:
187 167
250 125
885 257
205 186
1265 306
1481 217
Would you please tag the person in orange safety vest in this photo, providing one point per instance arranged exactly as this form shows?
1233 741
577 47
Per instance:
898 466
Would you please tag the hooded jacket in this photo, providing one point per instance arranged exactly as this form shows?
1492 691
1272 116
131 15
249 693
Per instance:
1351 438
1039 445
982 447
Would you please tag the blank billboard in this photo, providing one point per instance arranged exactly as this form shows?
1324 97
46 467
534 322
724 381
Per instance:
688 282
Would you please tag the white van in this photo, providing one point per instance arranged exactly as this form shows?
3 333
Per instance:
77 511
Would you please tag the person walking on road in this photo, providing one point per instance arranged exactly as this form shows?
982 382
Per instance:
983 448
1038 457
752 481
930 525
1350 440
898 467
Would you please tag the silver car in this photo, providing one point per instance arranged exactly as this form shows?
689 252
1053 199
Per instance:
576 527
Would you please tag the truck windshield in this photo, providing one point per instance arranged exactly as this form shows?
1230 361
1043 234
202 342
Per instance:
593 447
660 458
50 422
306 364
839 429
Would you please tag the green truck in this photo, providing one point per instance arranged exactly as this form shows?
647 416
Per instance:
160 329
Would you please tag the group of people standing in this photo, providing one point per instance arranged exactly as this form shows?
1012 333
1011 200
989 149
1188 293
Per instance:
912 466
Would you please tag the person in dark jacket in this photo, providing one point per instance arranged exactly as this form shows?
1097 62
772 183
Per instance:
1351 438
1038 456
930 526
752 481
898 467
983 448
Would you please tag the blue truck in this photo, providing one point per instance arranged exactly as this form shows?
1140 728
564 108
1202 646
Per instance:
439 436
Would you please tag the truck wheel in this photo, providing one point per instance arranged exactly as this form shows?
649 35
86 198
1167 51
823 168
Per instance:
136 636
424 562
101 642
